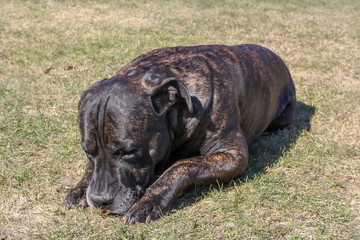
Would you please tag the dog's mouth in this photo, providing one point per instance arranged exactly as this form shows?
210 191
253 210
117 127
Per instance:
110 209
120 202
119 207
114 209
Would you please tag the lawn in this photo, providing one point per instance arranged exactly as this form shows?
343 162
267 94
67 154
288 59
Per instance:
303 181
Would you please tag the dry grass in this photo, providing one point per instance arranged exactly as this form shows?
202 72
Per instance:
302 184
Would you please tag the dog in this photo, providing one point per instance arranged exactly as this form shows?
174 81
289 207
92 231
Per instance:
196 109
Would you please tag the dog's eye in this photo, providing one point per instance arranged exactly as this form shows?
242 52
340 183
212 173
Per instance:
121 153
128 151
90 154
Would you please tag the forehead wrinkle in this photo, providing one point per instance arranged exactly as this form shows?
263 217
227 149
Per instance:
88 123
114 129
128 115
110 127
93 119
102 118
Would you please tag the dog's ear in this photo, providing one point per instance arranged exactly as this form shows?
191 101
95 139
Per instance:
166 92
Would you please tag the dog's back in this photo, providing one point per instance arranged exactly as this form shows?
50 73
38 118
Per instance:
249 74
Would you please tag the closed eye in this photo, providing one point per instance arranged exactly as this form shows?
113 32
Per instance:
128 151
118 153
89 148
90 154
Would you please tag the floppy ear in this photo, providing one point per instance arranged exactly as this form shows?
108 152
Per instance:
166 92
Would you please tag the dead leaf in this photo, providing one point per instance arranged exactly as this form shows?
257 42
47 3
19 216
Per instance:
69 67
47 71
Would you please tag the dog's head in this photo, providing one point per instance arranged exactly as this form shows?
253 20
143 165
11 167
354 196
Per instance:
126 130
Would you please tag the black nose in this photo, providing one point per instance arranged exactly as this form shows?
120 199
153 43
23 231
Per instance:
101 200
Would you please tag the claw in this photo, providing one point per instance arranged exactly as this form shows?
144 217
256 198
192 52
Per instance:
148 218
132 221
125 220
83 202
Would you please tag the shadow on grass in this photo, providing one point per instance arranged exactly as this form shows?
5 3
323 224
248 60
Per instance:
264 152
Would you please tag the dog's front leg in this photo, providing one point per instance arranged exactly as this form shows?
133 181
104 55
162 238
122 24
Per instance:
225 163
77 196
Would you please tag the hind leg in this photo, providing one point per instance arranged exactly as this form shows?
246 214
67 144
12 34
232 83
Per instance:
284 119
286 110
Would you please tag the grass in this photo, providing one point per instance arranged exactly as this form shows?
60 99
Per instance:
303 181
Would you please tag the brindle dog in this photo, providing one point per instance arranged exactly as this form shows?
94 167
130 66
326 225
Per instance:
199 107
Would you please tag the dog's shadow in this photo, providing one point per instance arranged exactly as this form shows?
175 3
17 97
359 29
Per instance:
263 153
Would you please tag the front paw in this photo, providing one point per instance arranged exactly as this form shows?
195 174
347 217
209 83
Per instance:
144 211
75 198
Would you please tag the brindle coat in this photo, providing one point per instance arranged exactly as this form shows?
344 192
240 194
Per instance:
197 106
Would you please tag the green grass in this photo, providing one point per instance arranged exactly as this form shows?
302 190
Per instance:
303 181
